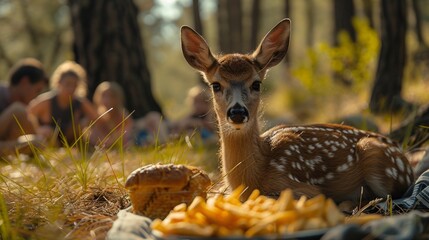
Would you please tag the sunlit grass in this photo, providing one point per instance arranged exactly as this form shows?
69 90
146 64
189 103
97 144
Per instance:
51 194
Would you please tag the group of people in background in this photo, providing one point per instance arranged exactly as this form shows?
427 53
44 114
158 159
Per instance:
63 114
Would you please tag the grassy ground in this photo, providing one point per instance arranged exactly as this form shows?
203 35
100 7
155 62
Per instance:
65 193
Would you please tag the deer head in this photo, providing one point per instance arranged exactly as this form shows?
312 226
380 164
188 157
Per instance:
236 79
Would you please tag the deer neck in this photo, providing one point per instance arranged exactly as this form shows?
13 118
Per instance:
241 152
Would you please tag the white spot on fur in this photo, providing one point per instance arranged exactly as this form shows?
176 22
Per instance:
288 152
313 162
400 164
408 179
409 170
392 172
401 179
350 158
330 176
317 180
342 168
279 167
293 177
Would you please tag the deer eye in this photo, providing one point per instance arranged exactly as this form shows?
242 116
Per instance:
216 87
256 86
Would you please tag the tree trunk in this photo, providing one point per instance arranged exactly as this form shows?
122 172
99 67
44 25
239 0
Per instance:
418 27
223 28
256 13
198 26
108 45
230 26
368 11
344 11
235 17
310 22
386 93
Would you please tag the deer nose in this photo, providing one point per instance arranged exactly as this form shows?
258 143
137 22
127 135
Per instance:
237 114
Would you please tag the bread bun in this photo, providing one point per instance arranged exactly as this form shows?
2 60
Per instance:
156 189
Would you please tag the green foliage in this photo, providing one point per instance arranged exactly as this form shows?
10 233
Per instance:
354 61
326 68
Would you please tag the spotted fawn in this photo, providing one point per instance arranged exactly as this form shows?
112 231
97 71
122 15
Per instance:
335 160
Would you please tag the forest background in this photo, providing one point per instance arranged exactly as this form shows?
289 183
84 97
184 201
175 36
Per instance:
332 70
329 72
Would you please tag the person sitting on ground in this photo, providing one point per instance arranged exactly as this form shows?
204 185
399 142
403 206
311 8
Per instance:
63 112
27 79
151 128
201 117
109 102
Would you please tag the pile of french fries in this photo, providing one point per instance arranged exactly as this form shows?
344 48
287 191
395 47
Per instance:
223 216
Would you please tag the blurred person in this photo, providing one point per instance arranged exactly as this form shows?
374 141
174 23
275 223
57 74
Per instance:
201 117
27 79
64 110
150 128
114 117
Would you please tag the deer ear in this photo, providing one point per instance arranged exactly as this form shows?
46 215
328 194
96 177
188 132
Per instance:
273 47
195 50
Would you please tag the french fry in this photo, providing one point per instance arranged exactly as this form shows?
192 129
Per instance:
255 193
188 229
175 217
180 208
241 213
314 223
285 201
236 193
278 217
332 214
296 225
198 218
259 215
158 224
226 232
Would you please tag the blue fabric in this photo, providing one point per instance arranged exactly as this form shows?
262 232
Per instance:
417 196
130 226
401 227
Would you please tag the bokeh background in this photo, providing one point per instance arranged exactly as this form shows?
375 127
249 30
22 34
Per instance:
328 74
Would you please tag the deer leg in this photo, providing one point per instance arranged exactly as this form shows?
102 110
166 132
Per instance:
386 170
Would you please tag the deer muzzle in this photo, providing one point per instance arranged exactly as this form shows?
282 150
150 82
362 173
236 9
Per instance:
237 114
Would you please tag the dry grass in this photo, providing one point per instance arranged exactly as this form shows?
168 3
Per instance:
63 193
